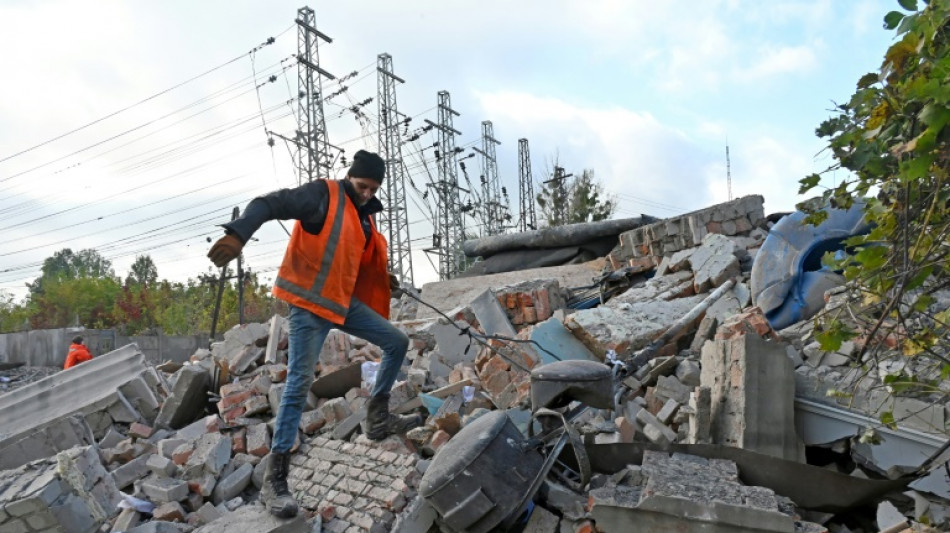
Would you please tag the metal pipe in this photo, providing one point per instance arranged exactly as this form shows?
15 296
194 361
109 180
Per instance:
640 358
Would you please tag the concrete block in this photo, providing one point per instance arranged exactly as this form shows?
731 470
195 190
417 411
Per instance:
242 361
669 409
688 373
127 519
212 453
142 397
653 429
163 489
187 400
170 512
166 447
207 513
736 370
273 396
258 440
130 472
491 316
233 484
274 332
160 465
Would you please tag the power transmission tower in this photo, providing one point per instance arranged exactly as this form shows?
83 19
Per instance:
728 173
449 231
527 219
313 152
394 222
492 215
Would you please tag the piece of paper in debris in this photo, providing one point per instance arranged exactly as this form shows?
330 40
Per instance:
368 373
131 502
468 393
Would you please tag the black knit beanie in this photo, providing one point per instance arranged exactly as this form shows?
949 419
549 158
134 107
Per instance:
368 165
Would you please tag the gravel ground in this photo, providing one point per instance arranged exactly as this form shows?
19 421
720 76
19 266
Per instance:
17 377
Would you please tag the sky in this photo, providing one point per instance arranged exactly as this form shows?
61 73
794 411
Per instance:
136 127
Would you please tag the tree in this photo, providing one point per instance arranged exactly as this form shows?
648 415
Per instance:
568 199
66 265
142 272
893 136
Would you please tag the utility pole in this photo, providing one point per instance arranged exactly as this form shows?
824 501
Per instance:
450 230
492 216
527 219
394 222
313 151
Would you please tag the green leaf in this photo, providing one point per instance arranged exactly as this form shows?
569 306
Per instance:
909 5
887 418
892 19
808 183
834 335
867 80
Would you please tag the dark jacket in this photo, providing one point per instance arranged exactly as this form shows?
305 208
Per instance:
307 203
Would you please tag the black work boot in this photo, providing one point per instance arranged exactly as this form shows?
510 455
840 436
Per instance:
380 423
275 494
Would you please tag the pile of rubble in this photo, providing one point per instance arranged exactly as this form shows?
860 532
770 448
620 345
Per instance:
118 445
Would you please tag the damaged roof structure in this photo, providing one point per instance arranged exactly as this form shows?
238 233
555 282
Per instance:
537 418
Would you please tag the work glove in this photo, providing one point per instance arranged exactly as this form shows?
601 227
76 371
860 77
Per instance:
393 282
226 249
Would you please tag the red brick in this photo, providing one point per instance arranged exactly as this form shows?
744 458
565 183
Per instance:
439 438
530 315
327 512
233 414
231 388
212 424
140 431
239 441
181 457
234 399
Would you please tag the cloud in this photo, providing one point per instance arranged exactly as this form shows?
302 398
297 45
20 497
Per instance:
779 61
633 154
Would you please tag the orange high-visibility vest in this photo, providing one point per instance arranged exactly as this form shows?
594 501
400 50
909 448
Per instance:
323 272
78 353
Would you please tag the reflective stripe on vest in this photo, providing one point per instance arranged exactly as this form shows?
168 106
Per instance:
296 285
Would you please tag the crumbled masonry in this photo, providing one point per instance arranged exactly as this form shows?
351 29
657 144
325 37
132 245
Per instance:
119 444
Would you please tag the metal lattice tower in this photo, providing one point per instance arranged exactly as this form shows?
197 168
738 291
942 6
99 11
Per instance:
313 152
450 227
394 222
728 173
527 219
493 216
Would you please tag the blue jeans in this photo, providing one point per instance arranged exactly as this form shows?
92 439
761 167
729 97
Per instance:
307 333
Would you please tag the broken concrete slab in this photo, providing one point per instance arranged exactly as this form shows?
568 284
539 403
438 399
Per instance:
69 492
557 343
491 315
692 492
188 399
446 295
627 327
45 441
453 345
56 397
